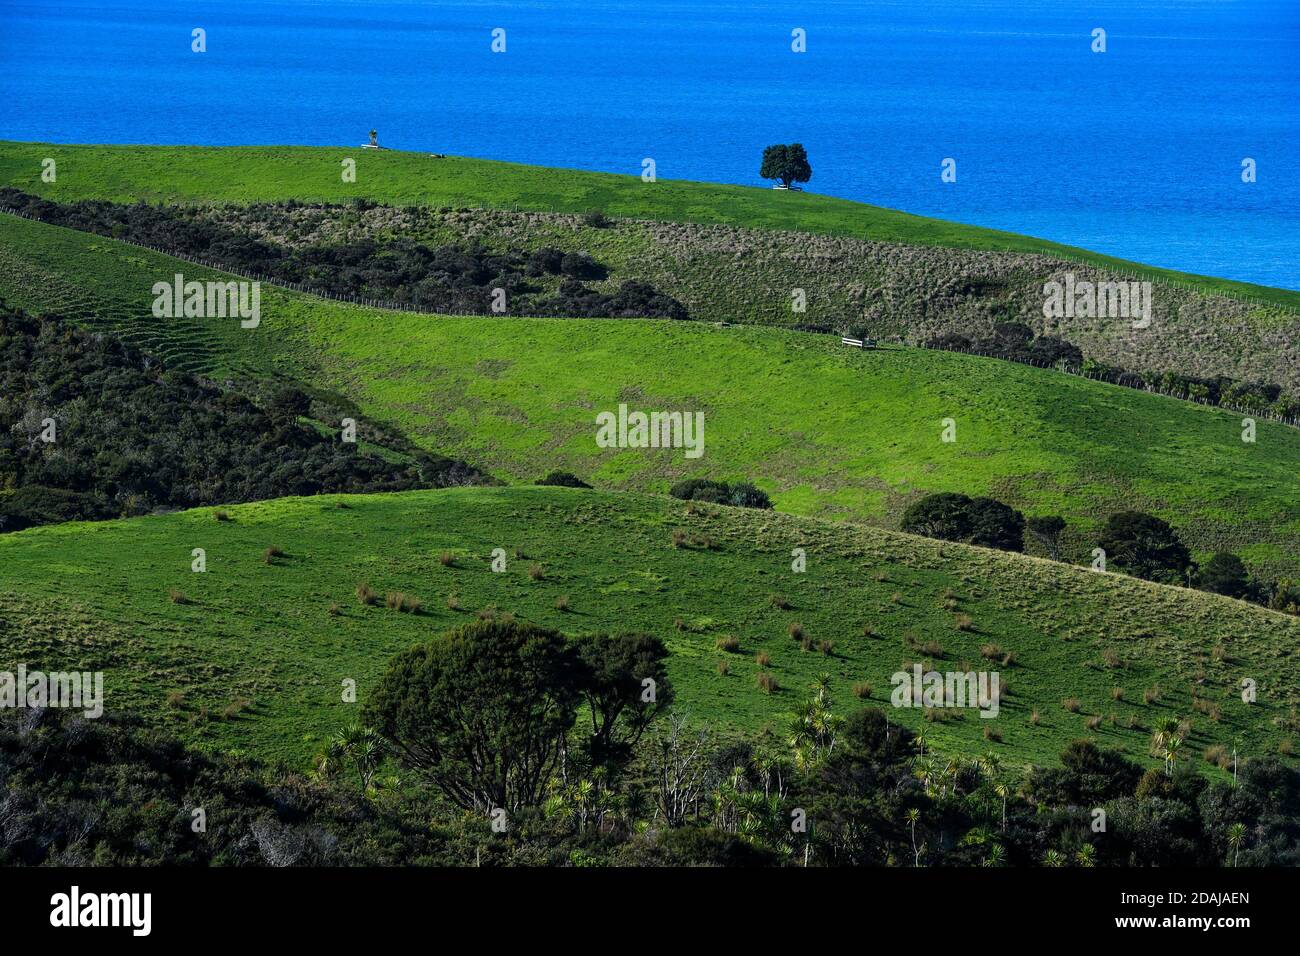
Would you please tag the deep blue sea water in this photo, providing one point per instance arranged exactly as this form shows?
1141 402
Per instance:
1136 151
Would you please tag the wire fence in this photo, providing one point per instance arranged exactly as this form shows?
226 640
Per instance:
1124 379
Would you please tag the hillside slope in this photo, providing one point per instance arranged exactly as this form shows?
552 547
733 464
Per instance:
256 654
241 174
827 430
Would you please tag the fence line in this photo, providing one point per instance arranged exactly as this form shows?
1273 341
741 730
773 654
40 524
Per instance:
1138 383
1131 380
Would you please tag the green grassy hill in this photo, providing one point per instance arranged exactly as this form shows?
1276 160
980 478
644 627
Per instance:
827 430
241 174
255 658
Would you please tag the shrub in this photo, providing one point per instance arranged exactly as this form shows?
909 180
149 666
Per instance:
955 517
562 479
1225 574
1144 546
742 494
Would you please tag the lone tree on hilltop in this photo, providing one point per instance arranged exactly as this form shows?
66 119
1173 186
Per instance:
789 164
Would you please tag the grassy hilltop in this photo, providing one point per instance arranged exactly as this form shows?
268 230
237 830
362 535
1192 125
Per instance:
828 431
255 656
244 174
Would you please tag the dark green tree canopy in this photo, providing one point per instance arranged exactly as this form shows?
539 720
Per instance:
789 164
956 517
620 704
1224 573
481 711
1047 530
1144 546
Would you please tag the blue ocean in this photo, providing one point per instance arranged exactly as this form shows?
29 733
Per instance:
1136 151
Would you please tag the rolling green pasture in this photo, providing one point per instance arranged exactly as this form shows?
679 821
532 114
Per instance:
255 658
827 430
241 174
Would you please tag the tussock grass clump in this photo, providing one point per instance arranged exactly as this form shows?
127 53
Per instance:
990 652
728 642
1092 723
1072 704
826 647
447 559
562 603
963 622
1151 695
271 553
176 699
724 668
334 609
1110 657
235 708
992 735
220 515
402 603
767 683
367 595
1117 694
178 597
932 649
1034 718
763 659
779 602
869 632
862 690
1217 754
536 572
453 602
795 630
